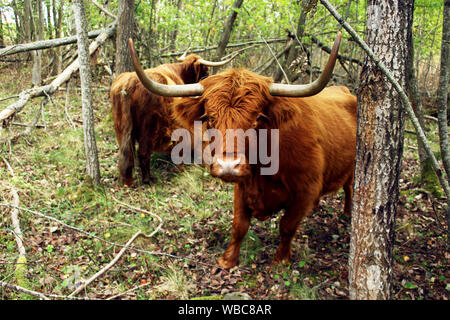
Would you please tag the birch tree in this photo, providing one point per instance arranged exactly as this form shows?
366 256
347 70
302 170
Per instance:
379 150
90 146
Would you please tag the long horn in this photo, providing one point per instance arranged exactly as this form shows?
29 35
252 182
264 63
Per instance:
216 64
209 63
306 90
184 90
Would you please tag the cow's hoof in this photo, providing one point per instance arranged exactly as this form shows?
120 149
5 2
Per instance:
128 184
282 258
226 264
149 180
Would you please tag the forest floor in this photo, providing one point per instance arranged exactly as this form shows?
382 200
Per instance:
179 261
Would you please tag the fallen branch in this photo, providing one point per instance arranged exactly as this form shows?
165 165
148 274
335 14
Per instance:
49 89
24 290
107 267
35 293
20 269
127 245
44 44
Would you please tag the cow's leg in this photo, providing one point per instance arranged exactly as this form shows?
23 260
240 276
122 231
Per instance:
290 222
241 223
123 126
144 155
348 191
126 161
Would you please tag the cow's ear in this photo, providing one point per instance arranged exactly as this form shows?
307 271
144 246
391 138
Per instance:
201 71
188 110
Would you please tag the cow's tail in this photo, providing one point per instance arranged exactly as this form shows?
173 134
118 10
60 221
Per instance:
123 126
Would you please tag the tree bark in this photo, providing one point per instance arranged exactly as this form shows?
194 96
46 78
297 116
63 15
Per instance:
124 31
379 150
442 94
36 77
228 28
92 164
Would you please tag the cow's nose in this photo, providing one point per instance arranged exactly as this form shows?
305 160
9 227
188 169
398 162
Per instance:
228 167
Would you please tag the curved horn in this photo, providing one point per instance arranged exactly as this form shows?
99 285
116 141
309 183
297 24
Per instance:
209 63
216 64
184 90
306 90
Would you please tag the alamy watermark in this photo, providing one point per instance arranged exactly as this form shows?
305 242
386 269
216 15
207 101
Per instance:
258 140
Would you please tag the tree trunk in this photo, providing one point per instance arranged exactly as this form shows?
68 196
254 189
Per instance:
124 31
442 95
175 32
210 23
227 28
36 77
379 150
92 164
58 16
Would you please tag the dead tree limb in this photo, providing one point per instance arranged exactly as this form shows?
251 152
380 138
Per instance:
107 267
44 44
24 290
49 89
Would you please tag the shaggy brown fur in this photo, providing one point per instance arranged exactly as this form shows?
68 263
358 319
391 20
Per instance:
142 117
317 143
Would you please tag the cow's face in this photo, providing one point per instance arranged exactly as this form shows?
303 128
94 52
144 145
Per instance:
196 71
235 105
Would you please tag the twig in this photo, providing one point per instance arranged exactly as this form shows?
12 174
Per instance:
10 97
431 118
35 293
270 49
107 267
24 290
16 225
66 111
127 245
29 127
129 291
109 14
11 171
143 211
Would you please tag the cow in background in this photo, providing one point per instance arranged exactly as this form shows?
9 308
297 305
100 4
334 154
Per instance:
317 145
143 117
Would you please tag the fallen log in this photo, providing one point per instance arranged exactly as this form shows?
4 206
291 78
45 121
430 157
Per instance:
44 44
49 89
